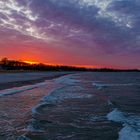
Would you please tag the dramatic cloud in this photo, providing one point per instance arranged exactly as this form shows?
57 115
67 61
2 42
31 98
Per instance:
100 32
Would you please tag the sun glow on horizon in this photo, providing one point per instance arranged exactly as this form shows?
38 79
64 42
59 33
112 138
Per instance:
54 64
31 62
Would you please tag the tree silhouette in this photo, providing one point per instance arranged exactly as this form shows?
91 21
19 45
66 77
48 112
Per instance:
7 64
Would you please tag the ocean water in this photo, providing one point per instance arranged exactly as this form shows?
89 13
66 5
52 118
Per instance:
88 106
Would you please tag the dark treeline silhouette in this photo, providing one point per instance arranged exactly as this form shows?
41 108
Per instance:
115 70
6 64
20 65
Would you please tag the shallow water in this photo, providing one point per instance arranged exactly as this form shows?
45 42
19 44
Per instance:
87 106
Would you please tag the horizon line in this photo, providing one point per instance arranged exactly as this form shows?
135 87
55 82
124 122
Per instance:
77 66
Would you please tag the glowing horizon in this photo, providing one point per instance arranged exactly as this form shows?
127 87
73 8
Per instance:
53 64
82 66
30 62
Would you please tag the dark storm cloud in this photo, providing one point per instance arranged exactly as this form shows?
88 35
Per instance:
112 25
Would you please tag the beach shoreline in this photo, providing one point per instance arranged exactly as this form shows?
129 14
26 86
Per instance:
20 82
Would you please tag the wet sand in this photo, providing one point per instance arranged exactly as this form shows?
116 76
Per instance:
10 80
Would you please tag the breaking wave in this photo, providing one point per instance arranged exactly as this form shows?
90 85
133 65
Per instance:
131 124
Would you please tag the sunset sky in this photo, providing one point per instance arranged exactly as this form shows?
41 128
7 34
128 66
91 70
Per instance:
98 33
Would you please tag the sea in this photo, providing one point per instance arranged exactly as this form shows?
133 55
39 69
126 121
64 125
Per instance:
87 106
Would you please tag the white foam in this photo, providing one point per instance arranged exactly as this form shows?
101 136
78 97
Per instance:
66 80
65 92
116 116
101 85
97 85
68 89
20 89
131 124
110 103
129 133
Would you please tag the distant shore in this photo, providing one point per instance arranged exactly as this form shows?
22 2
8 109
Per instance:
7 65
17 78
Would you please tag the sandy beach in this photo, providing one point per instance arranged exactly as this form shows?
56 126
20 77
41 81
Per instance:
10 80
